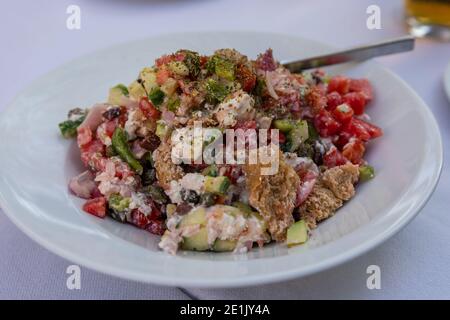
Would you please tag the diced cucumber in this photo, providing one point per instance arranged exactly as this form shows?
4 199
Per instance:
196 216
245 208
224 245
178 68
169 87
218 185
136 90
197 242
297 233
366 173
148 78
173 103
298 135
116 93
210 171
161 129
156 96
284 125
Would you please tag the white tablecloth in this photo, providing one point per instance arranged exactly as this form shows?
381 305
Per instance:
414 264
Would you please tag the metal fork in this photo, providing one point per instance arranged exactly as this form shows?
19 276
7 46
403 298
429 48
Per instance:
359 53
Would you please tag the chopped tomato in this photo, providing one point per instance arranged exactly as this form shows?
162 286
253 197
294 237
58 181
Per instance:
342 139
149 109
248 124
163 60
96 207
354 151
339 84
356 100
162 75
363 86
343 113
110 127
246 77
362 130
93 146
203 60
334 158
355 129
221 200
372 129
281 138
156 227
325 124
139 219
179 56
333 100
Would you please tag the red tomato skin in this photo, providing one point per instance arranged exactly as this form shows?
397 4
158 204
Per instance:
333 100
156 227
339 84
356 100
325 124
354 151
96 207
371 129
333 158
162 75
343 113
164 60
363 86
246 78
248 124
149 109
355 129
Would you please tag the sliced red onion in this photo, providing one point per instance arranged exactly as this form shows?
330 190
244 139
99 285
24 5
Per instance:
83 185
129 103
94 117
269 86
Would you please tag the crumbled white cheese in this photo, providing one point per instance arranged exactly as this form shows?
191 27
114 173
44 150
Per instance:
238 107
190 181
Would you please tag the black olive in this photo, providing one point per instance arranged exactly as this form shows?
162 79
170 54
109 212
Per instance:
208 199
151 142
189 196
111 113
118 216
148 176
183 208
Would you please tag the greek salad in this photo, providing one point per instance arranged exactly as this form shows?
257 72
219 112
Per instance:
125 145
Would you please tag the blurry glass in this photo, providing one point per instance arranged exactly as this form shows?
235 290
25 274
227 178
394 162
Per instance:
429 18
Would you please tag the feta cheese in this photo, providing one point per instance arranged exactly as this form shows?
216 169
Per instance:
238 107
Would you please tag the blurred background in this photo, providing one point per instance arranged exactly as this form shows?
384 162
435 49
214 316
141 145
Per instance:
36 38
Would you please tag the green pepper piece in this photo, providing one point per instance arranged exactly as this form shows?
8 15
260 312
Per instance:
120 145
68 128
156 96
122 88
118 203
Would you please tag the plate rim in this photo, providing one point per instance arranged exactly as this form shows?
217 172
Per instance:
248 280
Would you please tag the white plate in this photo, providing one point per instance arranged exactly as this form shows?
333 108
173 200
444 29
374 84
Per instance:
447 80
36 164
